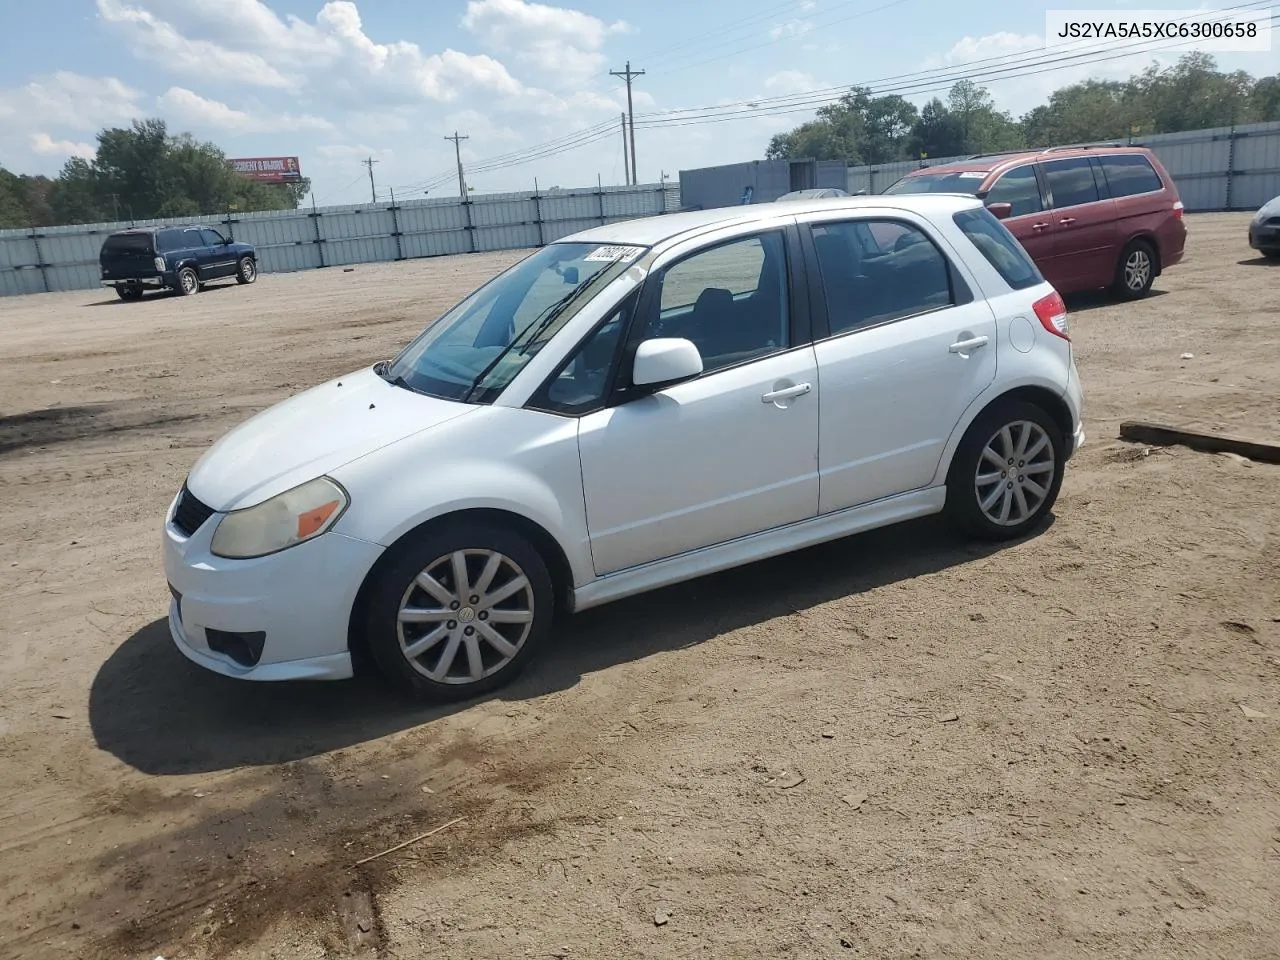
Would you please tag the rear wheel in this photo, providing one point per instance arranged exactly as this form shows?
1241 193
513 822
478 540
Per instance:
129 292
1007 471
246 270
188 282
1136 271
460 612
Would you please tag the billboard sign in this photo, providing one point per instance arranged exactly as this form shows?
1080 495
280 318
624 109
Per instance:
268 169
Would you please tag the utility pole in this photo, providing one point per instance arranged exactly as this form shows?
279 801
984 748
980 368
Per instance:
457 150
626 169
373 193
630 75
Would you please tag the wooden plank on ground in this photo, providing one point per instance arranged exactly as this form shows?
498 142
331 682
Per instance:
1161 435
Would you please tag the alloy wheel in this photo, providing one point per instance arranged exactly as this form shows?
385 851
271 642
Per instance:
465 616
1015 473
1137 270
189 282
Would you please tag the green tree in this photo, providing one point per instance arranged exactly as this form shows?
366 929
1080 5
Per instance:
859 128
1264 100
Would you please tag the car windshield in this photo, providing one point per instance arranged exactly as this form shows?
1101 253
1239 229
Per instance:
954 181
478 347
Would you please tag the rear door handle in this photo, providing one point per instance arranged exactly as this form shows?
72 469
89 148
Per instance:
786 393
1065 221
964 346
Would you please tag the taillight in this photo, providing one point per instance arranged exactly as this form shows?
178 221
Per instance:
1052 313
1177 210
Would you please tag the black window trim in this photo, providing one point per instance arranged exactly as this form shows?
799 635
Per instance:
961 291
1044 173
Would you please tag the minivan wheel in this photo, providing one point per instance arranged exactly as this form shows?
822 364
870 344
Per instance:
129 292
188 282
459 612
1007 471
246 270
1136 271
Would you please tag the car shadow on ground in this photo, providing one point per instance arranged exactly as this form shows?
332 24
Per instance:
160 714
1096 299
158 296
1260 262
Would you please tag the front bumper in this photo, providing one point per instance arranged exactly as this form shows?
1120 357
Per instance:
300 598
1264 236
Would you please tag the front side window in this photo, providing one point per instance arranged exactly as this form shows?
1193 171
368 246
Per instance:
998 246
1071 182
1018 188
476 349
1129 174
730 300
875 271
212 238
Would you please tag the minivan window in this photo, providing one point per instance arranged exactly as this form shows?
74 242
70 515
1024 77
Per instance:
1018 188
1071 182
1001 250
963 181
1129 174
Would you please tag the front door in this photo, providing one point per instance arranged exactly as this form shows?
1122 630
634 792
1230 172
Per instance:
1030 221
730 453
220 261
910 348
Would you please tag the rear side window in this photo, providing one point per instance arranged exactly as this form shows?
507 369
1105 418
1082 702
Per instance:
1071 182
1018 188
128 243
1129 174
999 247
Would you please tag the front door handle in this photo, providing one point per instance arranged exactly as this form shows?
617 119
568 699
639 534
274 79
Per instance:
964 346
1040 226
1067 221
786 393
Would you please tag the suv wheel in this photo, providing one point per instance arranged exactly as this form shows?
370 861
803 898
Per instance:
246 270
1136 270
1007 471
129 292
188 282
459 612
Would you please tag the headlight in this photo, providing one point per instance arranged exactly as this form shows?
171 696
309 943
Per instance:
159 262
290 518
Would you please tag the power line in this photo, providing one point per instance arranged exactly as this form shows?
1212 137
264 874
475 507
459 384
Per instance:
372 190
457 149
629 76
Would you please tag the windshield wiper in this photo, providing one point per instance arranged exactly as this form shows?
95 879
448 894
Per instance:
532 329
383 367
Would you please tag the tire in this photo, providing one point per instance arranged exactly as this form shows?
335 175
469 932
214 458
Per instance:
475 665
129 293
188 282
246 270
970 504
1136 271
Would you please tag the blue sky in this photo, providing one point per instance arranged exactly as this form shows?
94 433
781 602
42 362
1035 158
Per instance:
334 82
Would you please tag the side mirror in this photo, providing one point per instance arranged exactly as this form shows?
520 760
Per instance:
664 361
1000 211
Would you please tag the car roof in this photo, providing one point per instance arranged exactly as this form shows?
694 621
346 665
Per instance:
156 229
991 162
650 231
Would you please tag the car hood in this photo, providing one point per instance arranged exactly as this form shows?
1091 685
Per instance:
311 434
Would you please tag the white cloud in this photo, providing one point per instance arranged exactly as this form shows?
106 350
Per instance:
554 39
66 99
188 107
45 145
792 28
968 49
791 81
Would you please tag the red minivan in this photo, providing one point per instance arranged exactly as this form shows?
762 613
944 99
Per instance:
1090 217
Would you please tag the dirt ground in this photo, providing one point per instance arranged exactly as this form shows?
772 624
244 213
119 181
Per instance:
891 746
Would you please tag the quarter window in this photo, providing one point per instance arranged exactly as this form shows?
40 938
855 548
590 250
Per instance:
730 300
1071 182
874 271
1018 188
1129 174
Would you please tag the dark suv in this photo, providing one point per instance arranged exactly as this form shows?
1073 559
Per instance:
179 258
1090 217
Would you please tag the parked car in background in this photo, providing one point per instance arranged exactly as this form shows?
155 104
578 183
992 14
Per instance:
814 193
1264 229
176 258
1091 217
632 406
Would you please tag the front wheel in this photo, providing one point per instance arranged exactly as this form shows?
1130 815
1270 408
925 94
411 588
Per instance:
459 612
1136 271
246 270
188 282
1007 471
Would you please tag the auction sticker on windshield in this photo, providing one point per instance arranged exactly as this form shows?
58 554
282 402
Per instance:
622 254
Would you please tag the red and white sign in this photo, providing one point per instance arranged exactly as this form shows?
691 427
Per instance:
268 169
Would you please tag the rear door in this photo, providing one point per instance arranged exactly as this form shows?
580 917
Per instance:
127 256
1030 221
1086 236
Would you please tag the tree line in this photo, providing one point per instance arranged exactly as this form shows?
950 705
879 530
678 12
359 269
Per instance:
141 172
1192 94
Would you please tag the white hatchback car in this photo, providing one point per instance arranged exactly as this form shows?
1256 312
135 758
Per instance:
632 406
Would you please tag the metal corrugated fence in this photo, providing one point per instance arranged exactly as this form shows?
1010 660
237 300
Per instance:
1224 168
46 259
